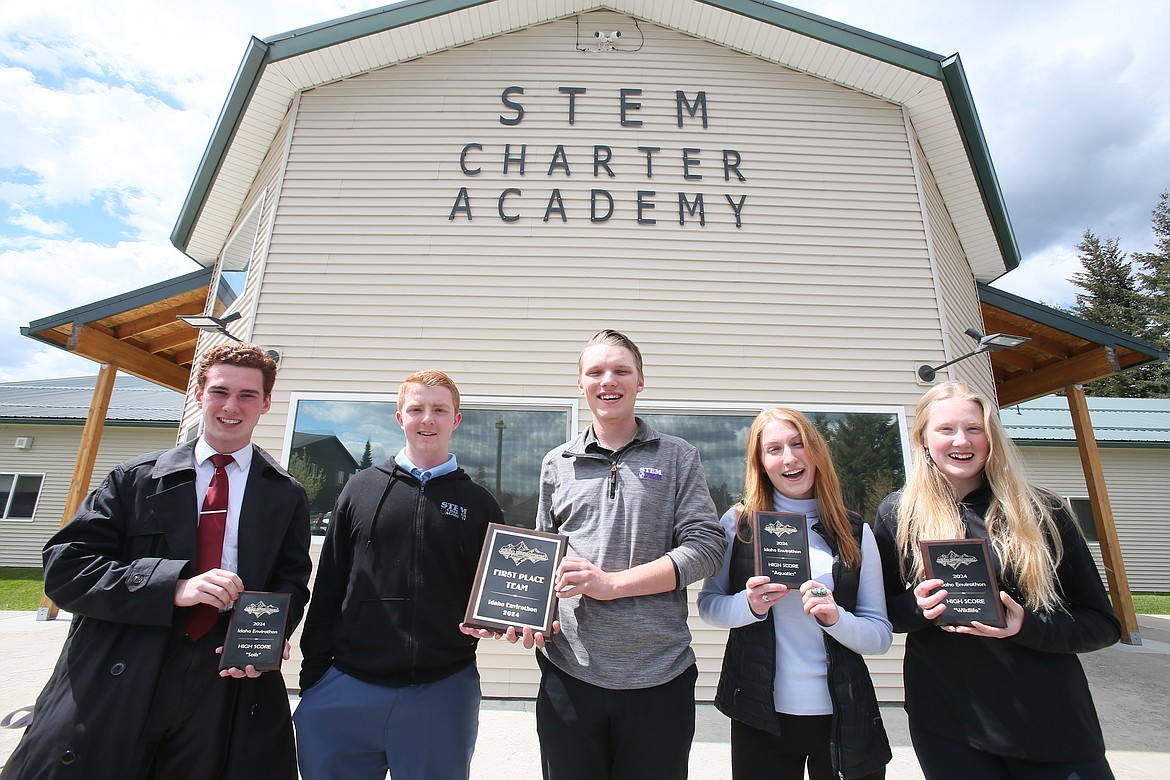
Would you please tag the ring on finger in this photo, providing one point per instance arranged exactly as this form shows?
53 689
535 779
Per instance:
819 591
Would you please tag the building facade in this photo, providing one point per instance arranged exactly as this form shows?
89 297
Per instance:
779 210
40 434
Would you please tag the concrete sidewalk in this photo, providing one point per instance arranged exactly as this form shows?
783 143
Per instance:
1131 687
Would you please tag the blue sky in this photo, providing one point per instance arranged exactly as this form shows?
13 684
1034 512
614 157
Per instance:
106 107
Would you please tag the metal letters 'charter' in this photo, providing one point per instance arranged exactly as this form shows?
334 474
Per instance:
968 575
781 546
514 582
256 632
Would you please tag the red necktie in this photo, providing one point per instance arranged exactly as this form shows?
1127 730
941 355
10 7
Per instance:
212 522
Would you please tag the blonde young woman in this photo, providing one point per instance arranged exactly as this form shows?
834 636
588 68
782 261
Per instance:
986 702
793 682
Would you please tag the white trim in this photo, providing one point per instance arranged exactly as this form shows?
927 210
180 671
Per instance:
465 402
899 412
4 518
931 251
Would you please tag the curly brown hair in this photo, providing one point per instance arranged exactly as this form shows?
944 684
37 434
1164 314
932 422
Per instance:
238 354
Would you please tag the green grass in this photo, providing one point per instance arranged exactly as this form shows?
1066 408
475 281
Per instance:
1151 603
20 588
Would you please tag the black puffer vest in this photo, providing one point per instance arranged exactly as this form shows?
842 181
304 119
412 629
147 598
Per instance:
858 742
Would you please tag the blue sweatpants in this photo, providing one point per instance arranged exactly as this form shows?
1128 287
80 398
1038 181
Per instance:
353 730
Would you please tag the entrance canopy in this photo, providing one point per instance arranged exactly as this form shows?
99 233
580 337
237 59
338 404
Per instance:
1064 350
138 332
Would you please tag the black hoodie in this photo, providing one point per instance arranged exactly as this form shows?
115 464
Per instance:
394 578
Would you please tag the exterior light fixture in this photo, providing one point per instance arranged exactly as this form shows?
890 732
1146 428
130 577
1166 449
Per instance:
212 324
992 343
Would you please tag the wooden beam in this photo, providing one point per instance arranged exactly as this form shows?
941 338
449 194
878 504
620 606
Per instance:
158 319
1014 358
1083 368
99 347
91 439
178 338
1103 516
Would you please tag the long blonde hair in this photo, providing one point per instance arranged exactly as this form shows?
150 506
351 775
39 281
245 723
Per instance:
758 488
1019 521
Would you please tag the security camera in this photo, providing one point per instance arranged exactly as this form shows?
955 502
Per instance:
599 35
605 37
613 36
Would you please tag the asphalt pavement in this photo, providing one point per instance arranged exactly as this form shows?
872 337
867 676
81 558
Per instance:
1130 684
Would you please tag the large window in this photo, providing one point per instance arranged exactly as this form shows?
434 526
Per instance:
19 494
866 447
499 443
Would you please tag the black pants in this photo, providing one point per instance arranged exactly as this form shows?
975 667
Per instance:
190 717
946 759
595 733
759 755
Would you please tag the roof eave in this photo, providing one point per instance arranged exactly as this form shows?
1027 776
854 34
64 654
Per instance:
948 71
247 77
1090 331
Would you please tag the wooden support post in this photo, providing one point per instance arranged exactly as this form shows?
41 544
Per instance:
1103 516
91 439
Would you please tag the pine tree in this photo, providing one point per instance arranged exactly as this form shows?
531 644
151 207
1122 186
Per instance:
367 457
1111 298
1153 277
867 455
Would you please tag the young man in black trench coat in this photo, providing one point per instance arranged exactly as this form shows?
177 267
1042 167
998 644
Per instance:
132 695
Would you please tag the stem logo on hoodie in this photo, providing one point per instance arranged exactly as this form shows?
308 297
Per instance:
453 510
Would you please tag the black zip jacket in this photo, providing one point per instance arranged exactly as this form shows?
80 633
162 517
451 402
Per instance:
1025 696
394 578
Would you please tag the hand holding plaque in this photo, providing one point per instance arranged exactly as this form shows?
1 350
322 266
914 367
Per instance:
780 540
514 582
968 574
256 631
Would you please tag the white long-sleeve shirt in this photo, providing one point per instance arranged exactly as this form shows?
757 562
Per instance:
801 686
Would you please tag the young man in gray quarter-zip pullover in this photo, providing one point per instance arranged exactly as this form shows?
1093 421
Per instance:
617 692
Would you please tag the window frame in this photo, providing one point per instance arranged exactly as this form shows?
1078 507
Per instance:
571 407
729 409
256 214
16 475
649 407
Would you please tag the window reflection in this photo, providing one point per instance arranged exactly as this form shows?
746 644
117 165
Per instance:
500 448
866 449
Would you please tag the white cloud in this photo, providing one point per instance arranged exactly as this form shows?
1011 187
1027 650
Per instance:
35 224
1045 278
43 277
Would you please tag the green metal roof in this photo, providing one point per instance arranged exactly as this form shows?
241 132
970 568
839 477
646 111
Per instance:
1135 422
144 296
67 401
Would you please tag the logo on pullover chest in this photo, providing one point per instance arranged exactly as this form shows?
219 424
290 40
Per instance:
648 473
453 510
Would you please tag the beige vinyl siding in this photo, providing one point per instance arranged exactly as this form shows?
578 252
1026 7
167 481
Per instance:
816 299
958 297
265 190
828 280
1136 481
53 454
